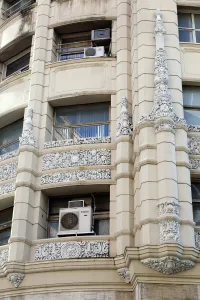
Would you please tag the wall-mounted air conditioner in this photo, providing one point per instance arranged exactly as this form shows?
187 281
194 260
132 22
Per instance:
94 52
100 34
73 221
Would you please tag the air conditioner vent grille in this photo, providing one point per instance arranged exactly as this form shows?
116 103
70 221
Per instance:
90 51
69 221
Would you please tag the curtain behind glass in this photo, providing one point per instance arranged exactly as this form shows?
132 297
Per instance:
8 134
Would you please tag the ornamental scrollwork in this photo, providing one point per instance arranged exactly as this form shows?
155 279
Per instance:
7 188
168 264
84 249
124 124
195 163
197 239
162 105
194 145
81 141
76 158
8 155
27 137
169 231
8 171
76 176
165 127
3 256
168 207
15 278
124 273
194 128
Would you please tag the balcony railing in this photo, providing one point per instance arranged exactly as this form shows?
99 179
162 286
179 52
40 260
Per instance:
23 69
22 5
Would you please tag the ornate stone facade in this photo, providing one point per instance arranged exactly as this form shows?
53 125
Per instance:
168 264
194 128
27 137
194 145
8 155
15 278
7 188
168 207
8 171
76 176
3 256
165 127
195 163
169 232
125 274
197 239
76 158
82 141
162 105
84 249
124 124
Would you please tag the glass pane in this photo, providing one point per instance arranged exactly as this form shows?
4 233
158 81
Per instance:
197 36
53 229
185 20
10 133
71 56
191 96
196 213
6 215
101 227
195 190
192 116
18 64
82 114
9 148
4 236
185 36
197 21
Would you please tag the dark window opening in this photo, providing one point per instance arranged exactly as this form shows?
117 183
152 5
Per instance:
18 66
196 202
5 225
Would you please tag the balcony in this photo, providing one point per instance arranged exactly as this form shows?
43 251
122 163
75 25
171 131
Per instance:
20 6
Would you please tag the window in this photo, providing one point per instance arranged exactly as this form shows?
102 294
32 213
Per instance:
191 102
81 121
101 212
5 225
18 66
196 202
189 27
9 137
12 7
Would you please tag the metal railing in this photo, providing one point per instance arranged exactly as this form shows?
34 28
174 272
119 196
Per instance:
22 5
24 69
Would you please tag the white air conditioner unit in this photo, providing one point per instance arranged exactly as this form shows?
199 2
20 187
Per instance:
73 221
94 52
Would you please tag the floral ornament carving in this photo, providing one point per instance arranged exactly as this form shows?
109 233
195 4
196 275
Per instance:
8 171
125 274
197 239
7 188
168 207
76 176
8 155
81 141
194 145
162 105
3 256
16 278
164 127
84 249
195 163
194 128
124 125
76 158
169 231
168 264
27 137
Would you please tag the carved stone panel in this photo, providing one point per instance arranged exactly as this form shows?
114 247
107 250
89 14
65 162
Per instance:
195 163
85 249
82 141
3 256
8 171
194 145
8 155
7 188
169 232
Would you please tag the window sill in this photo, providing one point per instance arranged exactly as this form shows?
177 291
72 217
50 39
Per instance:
14 77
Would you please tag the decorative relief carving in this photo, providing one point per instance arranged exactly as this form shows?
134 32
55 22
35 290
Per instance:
197 239
84 249
82 141
76 158
194 128
76 176
169 232
165 127
8 155
195 163
15 278
3 256
8 171
162 105
124 125
194 145
125 274
27 137
168 207
7 188
168 265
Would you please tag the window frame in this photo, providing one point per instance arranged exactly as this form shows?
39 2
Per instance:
193 29
83 124
13 59
189 107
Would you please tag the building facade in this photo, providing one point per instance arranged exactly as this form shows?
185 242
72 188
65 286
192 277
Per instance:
100 149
